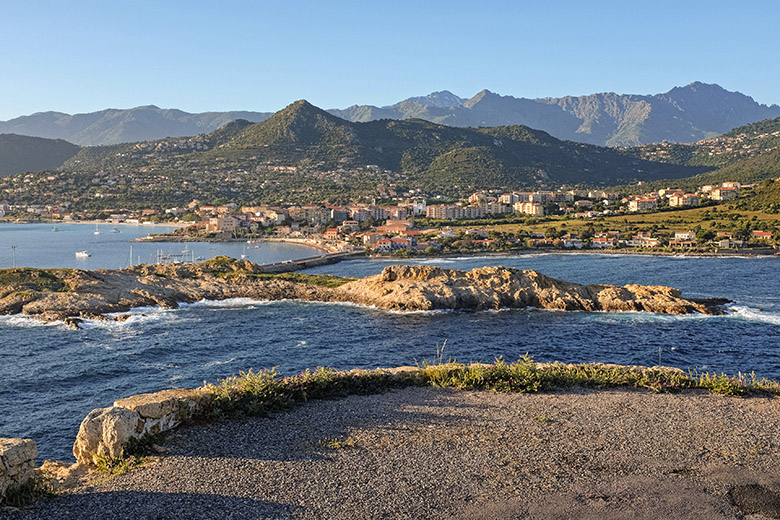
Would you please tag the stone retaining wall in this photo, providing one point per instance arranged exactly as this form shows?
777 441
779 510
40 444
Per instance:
17 462
105 431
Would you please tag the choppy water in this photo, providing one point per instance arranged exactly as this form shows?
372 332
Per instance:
53 376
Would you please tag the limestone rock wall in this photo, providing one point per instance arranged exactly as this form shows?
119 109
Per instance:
17 462
105 431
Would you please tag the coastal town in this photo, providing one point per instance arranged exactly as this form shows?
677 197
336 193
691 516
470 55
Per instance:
405 223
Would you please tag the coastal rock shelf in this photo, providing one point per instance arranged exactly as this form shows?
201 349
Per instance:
73 295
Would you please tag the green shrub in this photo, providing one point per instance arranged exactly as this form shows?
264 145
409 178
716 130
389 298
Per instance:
21 496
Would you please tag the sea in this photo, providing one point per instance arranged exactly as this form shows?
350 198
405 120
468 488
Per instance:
52 376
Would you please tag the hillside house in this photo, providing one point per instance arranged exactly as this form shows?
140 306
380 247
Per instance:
603 242
646 204
724 193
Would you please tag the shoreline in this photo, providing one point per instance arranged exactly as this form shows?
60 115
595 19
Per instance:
606 252
98 222
180 239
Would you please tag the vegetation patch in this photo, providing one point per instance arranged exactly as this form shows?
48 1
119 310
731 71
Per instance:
265 392
24 495
114 467
526 376
135 454
40 280
231 271
219 262
335 443
324 280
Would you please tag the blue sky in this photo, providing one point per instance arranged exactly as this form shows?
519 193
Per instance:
82 56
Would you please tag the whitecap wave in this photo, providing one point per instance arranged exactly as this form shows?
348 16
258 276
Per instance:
229 302
647 317
138 316
219 362
25 321
745 313
375 308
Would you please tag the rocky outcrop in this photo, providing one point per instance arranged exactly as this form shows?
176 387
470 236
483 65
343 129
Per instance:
81 295
426 288
105 432
17 463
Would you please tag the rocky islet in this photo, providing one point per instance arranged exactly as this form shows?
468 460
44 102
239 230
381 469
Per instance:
74 295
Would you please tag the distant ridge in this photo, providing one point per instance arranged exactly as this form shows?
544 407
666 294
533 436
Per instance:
683 114
115 126
21 153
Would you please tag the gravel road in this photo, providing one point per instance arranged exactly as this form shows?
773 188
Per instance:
447 454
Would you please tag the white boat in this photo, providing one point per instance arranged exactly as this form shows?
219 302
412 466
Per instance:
97 230
82 254
115 230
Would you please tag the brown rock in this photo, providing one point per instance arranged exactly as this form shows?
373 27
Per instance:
425 287
17 461
103 434
159 404
399 287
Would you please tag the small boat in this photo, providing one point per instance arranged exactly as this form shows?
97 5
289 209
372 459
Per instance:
115 230
82 254
97 230
54 228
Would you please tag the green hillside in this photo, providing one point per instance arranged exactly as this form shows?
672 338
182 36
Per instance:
21 153
766 198
745 171
429 155
740 143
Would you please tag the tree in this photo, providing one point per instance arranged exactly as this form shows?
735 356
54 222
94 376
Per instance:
703 236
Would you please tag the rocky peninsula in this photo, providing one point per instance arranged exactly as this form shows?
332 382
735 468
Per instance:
73 295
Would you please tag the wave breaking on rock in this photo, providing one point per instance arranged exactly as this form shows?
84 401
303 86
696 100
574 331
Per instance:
74 295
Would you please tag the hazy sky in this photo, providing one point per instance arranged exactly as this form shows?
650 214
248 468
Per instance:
81 56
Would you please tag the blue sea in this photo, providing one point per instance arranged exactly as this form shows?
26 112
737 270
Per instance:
113 247
53 376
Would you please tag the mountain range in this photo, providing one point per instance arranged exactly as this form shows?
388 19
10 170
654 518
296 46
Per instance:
428 154
306 150
683 114
113 126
